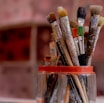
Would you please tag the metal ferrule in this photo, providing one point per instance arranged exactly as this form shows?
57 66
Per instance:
81 21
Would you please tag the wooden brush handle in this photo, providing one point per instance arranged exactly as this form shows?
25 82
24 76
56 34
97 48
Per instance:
66 52
67 94
75 77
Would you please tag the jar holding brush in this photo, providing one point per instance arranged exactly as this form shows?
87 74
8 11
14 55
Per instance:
74 81
61 86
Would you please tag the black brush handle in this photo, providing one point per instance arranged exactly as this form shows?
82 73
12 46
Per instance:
82 59
64 61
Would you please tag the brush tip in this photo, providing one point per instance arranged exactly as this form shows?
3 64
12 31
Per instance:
51 17
61 11
81 13
101 21
60 8
73 24
95 9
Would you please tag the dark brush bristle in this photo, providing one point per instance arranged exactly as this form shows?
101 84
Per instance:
81 13
51 17
73 24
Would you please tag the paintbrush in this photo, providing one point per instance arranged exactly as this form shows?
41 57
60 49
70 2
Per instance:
65 26
100 24
81 15
59 40
79 40
95 14
82 57
54 24
60 44
66 30
74 26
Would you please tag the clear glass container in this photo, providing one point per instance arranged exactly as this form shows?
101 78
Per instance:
66 84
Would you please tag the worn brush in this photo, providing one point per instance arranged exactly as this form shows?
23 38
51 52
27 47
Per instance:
95 14
95 9
65 26
100 25
54 24
59 40
81 15
52 16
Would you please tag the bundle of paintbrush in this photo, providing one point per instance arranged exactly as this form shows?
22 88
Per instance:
96 22
66 46
75 44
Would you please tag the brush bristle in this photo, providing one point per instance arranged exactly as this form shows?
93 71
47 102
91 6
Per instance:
101 21
81 13
51 17
73 24
61 11
96 9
